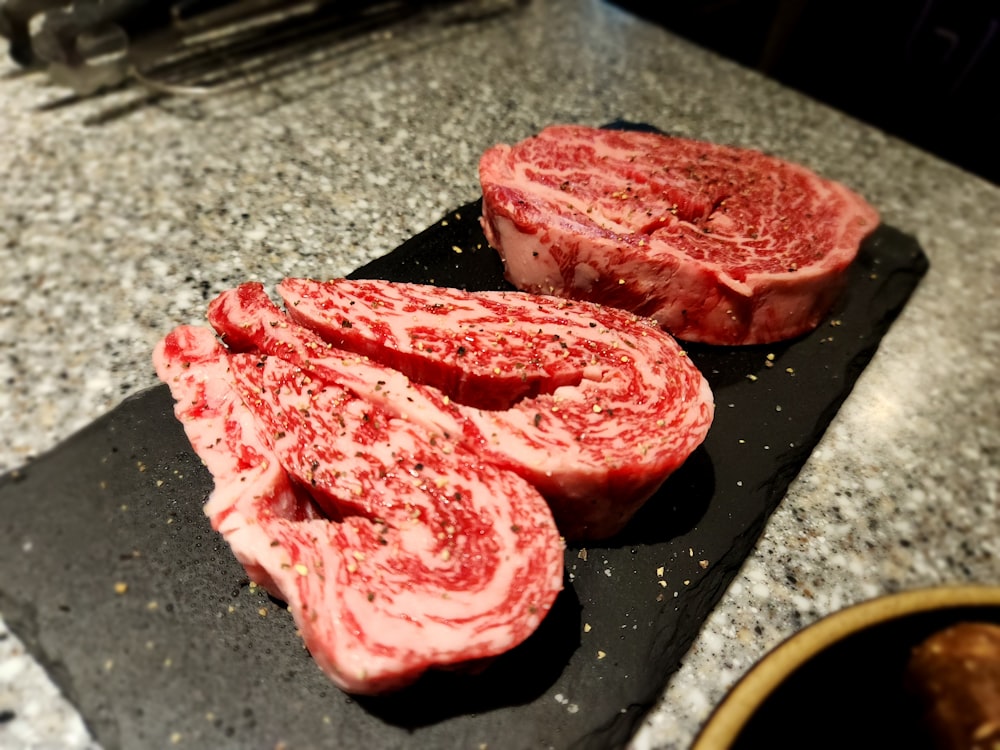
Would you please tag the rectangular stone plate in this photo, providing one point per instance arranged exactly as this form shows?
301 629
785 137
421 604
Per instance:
191 653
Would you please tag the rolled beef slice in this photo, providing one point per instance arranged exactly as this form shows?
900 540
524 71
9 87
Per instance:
394 553
392 459
594 406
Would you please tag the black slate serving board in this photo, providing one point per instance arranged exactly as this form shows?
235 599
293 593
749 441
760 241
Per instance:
190 655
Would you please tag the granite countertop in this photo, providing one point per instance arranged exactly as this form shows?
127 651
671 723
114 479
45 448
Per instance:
122 214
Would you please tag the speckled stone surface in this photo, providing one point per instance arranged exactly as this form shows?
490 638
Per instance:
121 215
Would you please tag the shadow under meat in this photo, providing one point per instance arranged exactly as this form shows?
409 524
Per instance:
515 678
674 509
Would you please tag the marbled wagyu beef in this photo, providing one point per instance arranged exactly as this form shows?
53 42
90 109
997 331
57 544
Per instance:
592 405
396 550
383 454
720 245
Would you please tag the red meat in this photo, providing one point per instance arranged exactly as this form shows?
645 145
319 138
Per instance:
421 557
406 522
720 245
594 406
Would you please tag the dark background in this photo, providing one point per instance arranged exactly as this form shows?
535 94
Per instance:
927 71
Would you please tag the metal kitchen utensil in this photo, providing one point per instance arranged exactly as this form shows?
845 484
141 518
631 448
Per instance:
201 46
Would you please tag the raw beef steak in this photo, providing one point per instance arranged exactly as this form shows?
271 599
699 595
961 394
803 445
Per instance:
382 467
394 552
592 405
720 245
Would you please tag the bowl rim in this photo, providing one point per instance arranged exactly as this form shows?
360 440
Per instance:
746 696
